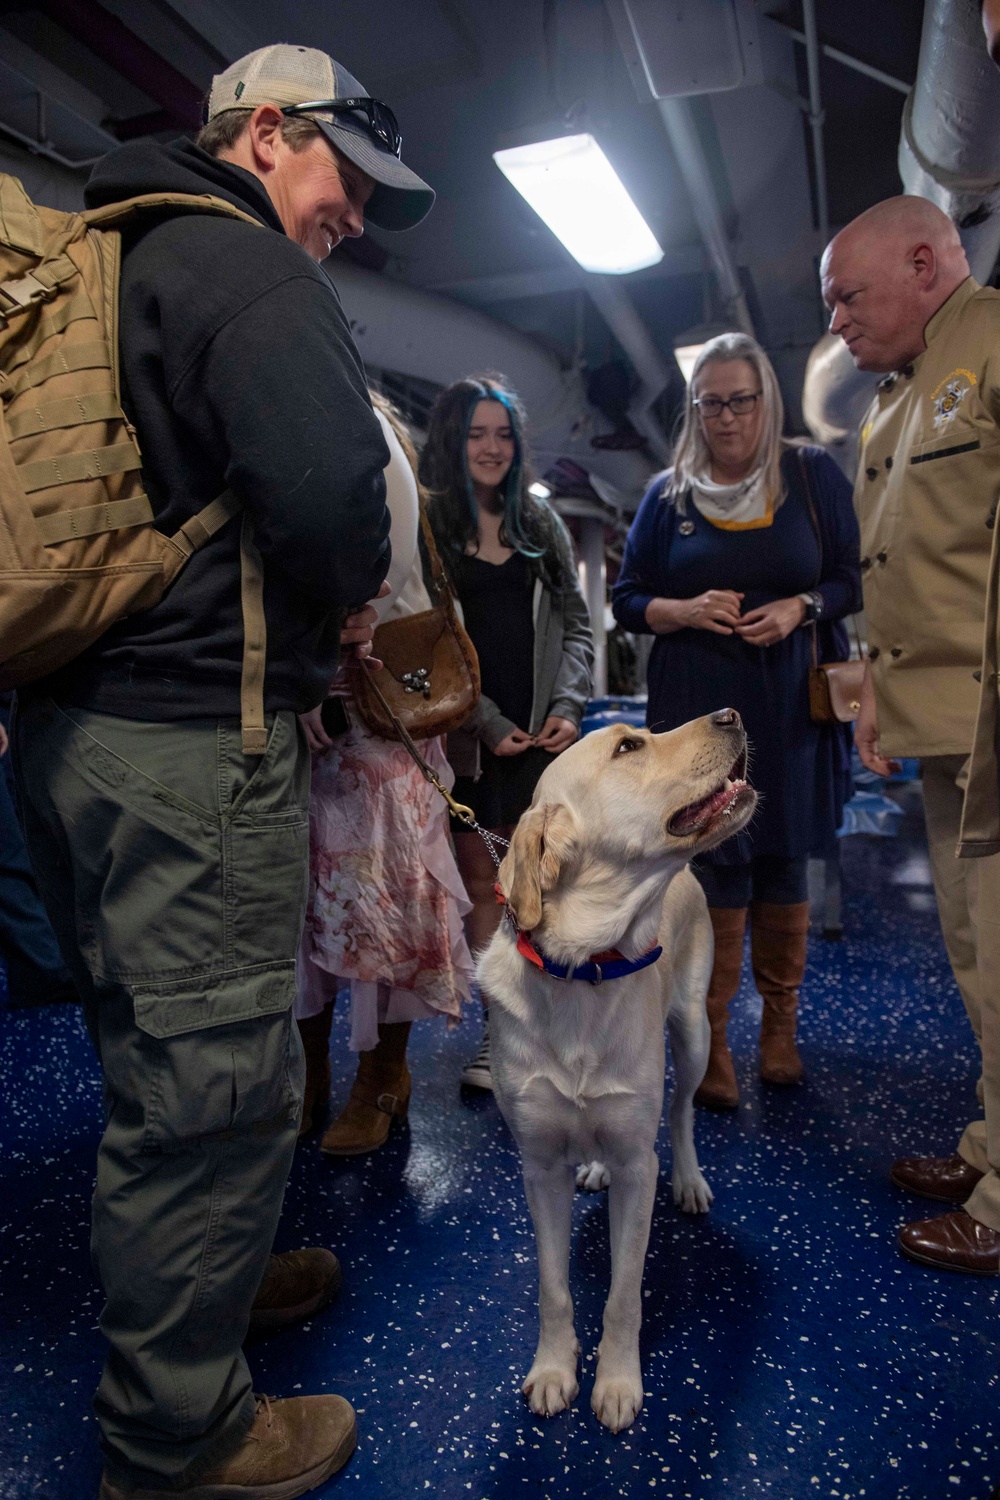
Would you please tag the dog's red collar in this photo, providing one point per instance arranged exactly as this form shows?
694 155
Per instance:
599 966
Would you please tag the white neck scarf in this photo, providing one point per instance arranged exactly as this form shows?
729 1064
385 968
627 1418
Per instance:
737 504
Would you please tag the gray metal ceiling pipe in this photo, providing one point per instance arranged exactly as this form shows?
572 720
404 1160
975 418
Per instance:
949 152
618 310
693 164
949 147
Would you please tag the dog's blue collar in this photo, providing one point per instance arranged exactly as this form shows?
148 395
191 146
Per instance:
598 968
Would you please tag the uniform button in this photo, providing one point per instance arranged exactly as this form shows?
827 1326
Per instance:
896 651
872 473
866 563
977 675
888 462
873 654
883 557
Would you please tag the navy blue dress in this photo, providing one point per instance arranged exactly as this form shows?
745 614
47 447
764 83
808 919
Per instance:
800 769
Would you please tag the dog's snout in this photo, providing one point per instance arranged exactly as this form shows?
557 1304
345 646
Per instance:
727 718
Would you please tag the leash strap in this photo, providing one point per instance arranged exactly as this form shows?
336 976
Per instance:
458 809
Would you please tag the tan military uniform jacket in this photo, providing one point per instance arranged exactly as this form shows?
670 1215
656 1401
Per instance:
927 486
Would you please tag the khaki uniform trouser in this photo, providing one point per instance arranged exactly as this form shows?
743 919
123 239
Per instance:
174 871
968 897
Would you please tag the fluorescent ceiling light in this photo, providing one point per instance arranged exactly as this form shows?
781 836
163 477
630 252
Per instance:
572 186
686 356
539 490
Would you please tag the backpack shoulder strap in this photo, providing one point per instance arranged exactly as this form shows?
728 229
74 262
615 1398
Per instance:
114 215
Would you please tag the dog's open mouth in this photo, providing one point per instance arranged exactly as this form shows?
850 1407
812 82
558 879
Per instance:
719 805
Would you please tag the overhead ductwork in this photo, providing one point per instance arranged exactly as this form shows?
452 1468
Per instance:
949 152
403 330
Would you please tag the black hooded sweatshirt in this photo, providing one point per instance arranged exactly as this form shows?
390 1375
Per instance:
238 370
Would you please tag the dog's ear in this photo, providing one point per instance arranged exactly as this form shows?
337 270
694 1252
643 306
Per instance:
541 844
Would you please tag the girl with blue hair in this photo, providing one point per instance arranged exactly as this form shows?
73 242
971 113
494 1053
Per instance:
510 560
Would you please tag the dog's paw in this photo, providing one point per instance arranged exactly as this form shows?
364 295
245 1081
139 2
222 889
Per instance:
592 1177
617 1399
550 1387
692 1193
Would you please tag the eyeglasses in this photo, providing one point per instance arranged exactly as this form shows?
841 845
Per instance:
711 406
381 120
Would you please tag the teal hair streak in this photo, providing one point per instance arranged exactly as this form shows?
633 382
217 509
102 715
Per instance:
512 491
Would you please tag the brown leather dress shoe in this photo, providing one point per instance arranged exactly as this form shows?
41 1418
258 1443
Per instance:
946 1179
296 1285
953 1242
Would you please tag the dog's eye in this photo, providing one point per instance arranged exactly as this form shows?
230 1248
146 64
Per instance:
625 747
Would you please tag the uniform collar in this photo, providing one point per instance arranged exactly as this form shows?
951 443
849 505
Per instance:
948 310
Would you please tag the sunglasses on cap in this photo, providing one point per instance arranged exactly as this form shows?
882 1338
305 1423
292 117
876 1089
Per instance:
381 120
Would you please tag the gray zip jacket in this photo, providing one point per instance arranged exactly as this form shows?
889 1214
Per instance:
563 674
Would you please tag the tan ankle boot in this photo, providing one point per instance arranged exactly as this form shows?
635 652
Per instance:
315 1034
381 1090
719 1088
778 936
292 1447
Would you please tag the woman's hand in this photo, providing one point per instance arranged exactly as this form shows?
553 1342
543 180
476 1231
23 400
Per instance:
771 622
358 629
316 736
557 735
514 743
717 610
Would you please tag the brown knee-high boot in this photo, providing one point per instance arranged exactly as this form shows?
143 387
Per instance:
778 937
315 1034
381 1090
718 1089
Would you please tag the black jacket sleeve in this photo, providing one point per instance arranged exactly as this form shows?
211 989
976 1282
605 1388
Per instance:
283 390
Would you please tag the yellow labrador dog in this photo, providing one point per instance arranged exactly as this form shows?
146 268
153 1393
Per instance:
609 934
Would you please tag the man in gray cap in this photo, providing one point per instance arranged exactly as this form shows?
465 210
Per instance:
174 866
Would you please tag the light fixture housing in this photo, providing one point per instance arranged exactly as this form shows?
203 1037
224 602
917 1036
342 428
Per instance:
540 490
575 190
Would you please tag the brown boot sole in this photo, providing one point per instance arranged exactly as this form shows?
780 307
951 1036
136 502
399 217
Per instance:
273 1319
283 1489
363 1148
781 1080
721 1103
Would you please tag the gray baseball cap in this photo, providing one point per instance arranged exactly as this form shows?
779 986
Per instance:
285 76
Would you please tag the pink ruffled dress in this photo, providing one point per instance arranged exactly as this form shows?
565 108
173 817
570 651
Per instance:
386 900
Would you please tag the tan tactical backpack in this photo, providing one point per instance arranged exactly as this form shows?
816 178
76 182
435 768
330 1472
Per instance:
78 548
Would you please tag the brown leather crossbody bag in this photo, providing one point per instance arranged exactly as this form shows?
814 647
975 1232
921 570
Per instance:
834 686
430 681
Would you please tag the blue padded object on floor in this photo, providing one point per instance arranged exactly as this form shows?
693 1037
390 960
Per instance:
788 1350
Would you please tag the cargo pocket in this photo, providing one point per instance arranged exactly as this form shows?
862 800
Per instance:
228 1081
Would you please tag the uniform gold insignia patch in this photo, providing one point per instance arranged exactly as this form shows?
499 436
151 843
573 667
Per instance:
947 397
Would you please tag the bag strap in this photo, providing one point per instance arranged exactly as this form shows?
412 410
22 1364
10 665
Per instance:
439 577
819 538
190 538
112 215
459 810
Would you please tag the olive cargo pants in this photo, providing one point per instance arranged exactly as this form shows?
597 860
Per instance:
174 871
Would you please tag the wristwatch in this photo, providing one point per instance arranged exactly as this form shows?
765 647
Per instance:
814 607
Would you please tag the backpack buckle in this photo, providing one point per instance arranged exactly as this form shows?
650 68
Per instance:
21 294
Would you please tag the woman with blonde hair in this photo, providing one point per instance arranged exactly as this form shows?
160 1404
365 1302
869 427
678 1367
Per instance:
736 556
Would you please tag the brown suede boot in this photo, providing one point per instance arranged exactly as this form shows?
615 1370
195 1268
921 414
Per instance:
778 952
315 1034
718 1088
292 1447
381 1090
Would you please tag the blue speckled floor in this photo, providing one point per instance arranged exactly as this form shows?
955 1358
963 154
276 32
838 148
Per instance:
788 1350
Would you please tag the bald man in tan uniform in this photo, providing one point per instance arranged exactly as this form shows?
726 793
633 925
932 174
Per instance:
898 286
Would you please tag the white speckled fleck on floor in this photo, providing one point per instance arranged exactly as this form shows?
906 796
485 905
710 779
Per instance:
789 1352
